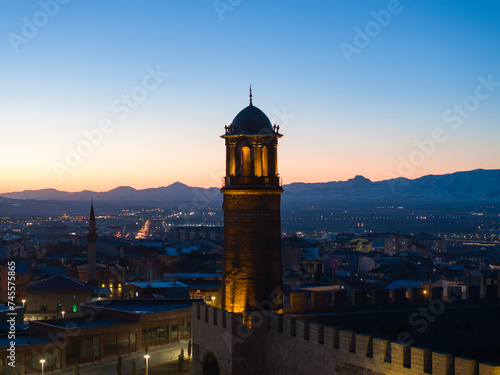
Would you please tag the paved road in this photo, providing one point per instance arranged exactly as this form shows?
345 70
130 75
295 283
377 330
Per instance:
108 366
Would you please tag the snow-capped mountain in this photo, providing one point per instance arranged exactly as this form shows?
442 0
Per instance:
472 186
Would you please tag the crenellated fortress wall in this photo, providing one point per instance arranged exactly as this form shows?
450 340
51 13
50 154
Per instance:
277 344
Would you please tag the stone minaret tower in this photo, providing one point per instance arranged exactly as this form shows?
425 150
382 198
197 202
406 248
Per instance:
92 239
251 270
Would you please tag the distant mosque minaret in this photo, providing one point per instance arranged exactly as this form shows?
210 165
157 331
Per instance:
251 267
91 251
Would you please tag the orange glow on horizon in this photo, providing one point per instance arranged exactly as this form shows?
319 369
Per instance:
17 182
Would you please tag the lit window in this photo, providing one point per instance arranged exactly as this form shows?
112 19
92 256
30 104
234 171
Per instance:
265 161
246 161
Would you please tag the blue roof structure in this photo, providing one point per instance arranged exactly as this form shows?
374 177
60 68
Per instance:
192 275
159 284
145 306
82 322
22 268
251 120
407 284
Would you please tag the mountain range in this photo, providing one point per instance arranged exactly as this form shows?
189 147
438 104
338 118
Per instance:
172 193
480 186
471 186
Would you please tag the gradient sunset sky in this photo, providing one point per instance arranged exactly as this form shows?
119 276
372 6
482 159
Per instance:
374 88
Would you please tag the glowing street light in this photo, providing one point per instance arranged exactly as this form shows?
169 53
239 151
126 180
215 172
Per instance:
62 313
213 300
42 361
147 362
23 301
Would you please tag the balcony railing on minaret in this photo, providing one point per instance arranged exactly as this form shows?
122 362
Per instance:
240 181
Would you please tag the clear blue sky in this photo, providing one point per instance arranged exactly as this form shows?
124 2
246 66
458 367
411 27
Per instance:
347 103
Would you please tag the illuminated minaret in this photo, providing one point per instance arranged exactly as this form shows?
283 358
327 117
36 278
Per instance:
92 239
251 267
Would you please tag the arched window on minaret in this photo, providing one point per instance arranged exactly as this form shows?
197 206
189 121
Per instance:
232 161
257 153
265 161
246 161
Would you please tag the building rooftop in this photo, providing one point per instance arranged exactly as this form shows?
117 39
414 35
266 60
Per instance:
159 284
204 284
145 306
80 322
57 283
50 270
192 275
7 308
397 284
172 251
319 288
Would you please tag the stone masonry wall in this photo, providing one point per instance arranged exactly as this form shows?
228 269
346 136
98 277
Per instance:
281 345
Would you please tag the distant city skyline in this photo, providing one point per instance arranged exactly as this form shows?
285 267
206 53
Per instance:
137 94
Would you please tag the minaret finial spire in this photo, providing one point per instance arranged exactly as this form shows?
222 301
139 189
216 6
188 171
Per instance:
251 95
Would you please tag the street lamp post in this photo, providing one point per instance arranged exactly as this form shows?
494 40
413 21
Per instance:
213 300
42 361
62 313
147 362
23 301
